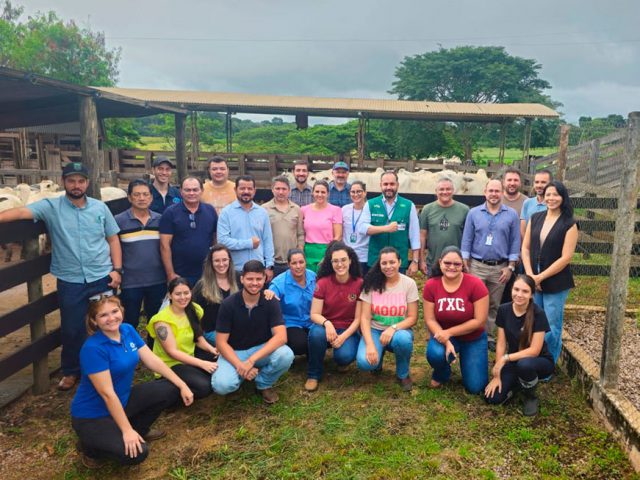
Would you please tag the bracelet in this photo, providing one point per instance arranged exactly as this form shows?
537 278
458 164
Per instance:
324 322
506 357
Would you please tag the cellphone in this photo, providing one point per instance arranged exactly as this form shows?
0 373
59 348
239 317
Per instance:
451 357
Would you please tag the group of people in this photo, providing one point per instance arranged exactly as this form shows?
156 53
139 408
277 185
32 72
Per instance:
247 288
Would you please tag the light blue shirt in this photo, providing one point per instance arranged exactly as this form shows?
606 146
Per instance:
295 301
236 226
531 206
503 229
80 250
350 222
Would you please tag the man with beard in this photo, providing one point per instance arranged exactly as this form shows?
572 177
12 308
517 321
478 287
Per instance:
218 191
301 193
244 228
511 183
86 257
535 204
164 195
392 221
339 187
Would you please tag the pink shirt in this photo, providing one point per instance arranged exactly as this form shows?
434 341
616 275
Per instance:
318 224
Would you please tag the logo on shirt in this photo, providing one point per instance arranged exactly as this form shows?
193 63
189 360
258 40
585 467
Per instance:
133 346
352 297
176 200
451 305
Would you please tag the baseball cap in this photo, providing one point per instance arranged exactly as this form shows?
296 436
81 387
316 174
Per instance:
75 168
162 159
340 165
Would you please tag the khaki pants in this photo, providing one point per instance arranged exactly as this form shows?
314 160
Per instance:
490 275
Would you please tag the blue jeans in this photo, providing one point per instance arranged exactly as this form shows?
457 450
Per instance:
553 306
211 337
132 299
226 380
73 299
318 345
401 345
474 362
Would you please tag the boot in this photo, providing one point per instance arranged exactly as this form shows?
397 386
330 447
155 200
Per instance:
530 402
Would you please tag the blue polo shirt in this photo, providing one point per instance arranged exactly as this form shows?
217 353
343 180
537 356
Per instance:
80 251
531 206
160 204
100 353
295 301
339 198
191 238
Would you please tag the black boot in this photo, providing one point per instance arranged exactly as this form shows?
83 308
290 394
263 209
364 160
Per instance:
530 404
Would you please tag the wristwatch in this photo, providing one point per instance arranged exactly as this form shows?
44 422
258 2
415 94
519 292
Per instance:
119 270
512 268
395 327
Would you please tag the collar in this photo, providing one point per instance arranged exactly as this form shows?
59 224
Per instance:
65 199
272 204
240 299
484 208
332 185
185 209
236 204
101 338
306 187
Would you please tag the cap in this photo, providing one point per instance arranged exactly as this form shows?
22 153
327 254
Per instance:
162 159
340 165
75 168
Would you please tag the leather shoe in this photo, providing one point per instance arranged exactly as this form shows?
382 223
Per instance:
67 382
90 462
154 434
269 396
311 385
406 384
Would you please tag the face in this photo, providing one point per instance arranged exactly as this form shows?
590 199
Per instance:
340 176
540 181
320 194
340 262
75 186
297 265
162 173
389 264
218 172
220 262
389 185
357 193
280 191
511 183
521 293
451 265
253 282
140 197
444 192
180 296
493 192
108 317
552 198
245 191
301 173
191 191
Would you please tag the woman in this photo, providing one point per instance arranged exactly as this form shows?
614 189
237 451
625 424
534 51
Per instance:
389 312
456 307
217 283
113 418
522 356
335 312
548 246
294 288
176 331
322 224
351 214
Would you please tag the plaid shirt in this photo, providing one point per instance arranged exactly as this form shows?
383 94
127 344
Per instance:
339 198
301 198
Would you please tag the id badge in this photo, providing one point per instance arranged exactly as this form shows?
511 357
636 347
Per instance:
402 227
489 240
353 238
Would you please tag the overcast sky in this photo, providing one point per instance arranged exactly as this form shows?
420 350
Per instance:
589 50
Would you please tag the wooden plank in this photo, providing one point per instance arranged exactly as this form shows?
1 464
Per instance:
20 230
18 318
21 272
29 354
601 225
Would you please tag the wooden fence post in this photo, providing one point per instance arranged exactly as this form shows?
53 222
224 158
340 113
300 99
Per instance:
593 162
621 256
89 144
113 178
562 152
526 145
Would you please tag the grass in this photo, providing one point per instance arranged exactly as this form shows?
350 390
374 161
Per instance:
594 291
484 154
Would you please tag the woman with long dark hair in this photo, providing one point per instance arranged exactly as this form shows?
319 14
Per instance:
335 311
522 356
547 249
322 224
389 312
176 331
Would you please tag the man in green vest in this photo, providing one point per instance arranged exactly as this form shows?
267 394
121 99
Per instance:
392 221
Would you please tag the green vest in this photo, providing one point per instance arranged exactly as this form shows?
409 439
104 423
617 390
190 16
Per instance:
399 239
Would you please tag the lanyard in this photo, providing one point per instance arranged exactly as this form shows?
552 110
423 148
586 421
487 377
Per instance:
355 222
390 214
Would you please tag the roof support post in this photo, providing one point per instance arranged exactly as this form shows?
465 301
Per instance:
181 146
229 132
89 144
362 140
503 141
195 140
526 146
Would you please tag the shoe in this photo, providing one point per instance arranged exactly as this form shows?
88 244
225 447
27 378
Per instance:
67 382
311 385
154 434
269 396
491 343
90 462
342 368
406 384
530 404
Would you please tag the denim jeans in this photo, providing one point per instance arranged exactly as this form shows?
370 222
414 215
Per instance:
473 357
318 345
73 299
132 299
226 380
401 345
553 306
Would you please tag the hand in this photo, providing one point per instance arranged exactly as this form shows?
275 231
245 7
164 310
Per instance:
256 242
386 336
172 276
187 395
494 384
116 280
252 374
505 275
269 294
244 369
450 350
466 264
132 443
423 266
269 273
538 279
392 227
412 269
497 367
339 341
372 354
208 367
442 336
331 333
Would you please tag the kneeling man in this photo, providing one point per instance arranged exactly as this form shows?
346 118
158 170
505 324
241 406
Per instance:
251 337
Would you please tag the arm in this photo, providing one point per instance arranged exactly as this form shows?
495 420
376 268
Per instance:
317 317
523 227
501 348
467 239
365 330
153 363
365 226
224 234
480 314
568 249
202 343
514 235
116 260
337 231
18 213
423 250
526 252
165 255
300 230
408 322
165 336
355 325
269 250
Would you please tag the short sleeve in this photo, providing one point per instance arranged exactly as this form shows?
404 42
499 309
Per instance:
503 311
274 286
166 222
40 209
321 289
423 218
540 322
94 359
223 322
429 290
412 291
336 216
478 289
110 226
365 297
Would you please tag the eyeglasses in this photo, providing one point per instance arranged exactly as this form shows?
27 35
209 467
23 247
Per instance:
192 218
357 192
337 261
452 264
100 296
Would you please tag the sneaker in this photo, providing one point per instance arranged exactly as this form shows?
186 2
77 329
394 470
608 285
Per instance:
269 396
90 462
342 368
154 434
67 382
406 384
311 385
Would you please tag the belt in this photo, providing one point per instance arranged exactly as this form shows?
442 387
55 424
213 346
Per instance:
491 263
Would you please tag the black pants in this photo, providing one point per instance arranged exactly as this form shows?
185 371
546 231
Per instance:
102 438
526 369
197 379
297 340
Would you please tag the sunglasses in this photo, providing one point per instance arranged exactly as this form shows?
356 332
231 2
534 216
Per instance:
452 264
101 296
192 219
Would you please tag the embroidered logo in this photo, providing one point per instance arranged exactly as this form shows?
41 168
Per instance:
352 297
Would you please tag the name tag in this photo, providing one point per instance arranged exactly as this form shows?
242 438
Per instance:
489 240
402 227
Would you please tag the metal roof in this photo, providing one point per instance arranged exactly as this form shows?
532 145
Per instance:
336 107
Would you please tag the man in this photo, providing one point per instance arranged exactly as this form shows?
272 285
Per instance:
164 195
441 224
535 204
391 220
339 187
86 257
244 228
144 276
187 230
251 337
511 184
219 191
491 245
287 227
301 194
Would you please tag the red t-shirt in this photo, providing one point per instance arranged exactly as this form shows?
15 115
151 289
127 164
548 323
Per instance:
340 299
455 308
